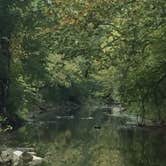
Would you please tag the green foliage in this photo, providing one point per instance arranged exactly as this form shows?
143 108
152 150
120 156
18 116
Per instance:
138 56
75 50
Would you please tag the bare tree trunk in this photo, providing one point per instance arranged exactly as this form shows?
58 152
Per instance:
4 77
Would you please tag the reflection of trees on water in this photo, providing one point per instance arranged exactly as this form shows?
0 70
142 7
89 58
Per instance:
94 142
143 147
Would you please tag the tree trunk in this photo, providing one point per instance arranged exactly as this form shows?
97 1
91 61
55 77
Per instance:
4 76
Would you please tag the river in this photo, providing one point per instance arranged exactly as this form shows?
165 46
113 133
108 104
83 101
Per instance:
100 140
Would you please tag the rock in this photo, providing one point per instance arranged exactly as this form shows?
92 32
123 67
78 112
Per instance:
26 149
17 160
36 161
6 157
17 157
32 153
26 157
18 153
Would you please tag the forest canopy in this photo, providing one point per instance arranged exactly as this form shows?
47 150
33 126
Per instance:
58 51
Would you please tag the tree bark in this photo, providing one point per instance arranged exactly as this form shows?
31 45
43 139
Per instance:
4 75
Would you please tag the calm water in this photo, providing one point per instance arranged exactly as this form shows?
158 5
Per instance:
101 141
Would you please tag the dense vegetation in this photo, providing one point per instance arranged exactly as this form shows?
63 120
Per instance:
55 52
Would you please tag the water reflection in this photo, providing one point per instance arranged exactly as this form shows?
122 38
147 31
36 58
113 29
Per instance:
98 141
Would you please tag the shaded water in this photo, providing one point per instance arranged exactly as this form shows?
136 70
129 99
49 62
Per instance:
101 141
